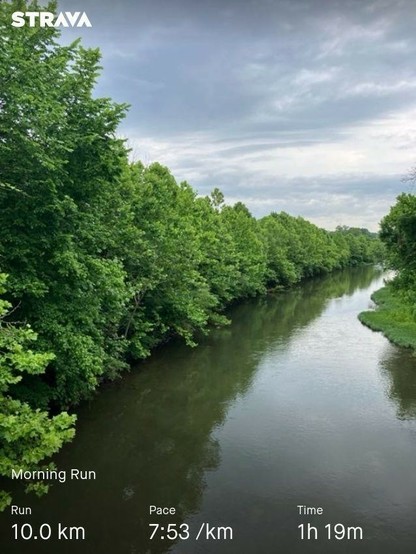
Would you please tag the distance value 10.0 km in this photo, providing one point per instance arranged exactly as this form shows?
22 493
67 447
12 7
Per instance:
27 532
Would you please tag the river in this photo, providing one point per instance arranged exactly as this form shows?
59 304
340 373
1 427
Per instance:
294 403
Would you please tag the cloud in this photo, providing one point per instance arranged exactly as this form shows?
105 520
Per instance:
287 104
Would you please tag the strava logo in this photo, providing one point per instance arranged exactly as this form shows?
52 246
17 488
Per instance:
49 19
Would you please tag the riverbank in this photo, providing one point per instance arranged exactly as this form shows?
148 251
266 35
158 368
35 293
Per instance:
392 317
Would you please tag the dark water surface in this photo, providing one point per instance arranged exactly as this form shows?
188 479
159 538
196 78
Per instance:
295 403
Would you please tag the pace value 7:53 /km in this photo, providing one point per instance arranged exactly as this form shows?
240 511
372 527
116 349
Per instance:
174 531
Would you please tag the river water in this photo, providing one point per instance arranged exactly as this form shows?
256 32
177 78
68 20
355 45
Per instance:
295 403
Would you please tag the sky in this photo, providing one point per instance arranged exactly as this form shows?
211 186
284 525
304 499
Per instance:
305 106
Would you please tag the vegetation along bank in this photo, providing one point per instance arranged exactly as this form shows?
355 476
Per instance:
395 314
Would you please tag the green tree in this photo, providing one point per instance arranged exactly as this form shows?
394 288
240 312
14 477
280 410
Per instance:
61 166
250 257
162 257
398 232
27 436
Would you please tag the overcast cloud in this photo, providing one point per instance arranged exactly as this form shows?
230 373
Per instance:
306 106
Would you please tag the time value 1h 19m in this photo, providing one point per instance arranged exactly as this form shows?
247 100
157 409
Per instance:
337 531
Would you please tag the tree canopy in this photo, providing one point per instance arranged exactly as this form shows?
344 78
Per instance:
398 232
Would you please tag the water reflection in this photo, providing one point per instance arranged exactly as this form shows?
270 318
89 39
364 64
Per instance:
399 367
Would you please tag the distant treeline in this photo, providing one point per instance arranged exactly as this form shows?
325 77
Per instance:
105 259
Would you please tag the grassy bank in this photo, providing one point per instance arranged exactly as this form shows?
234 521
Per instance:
392 317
